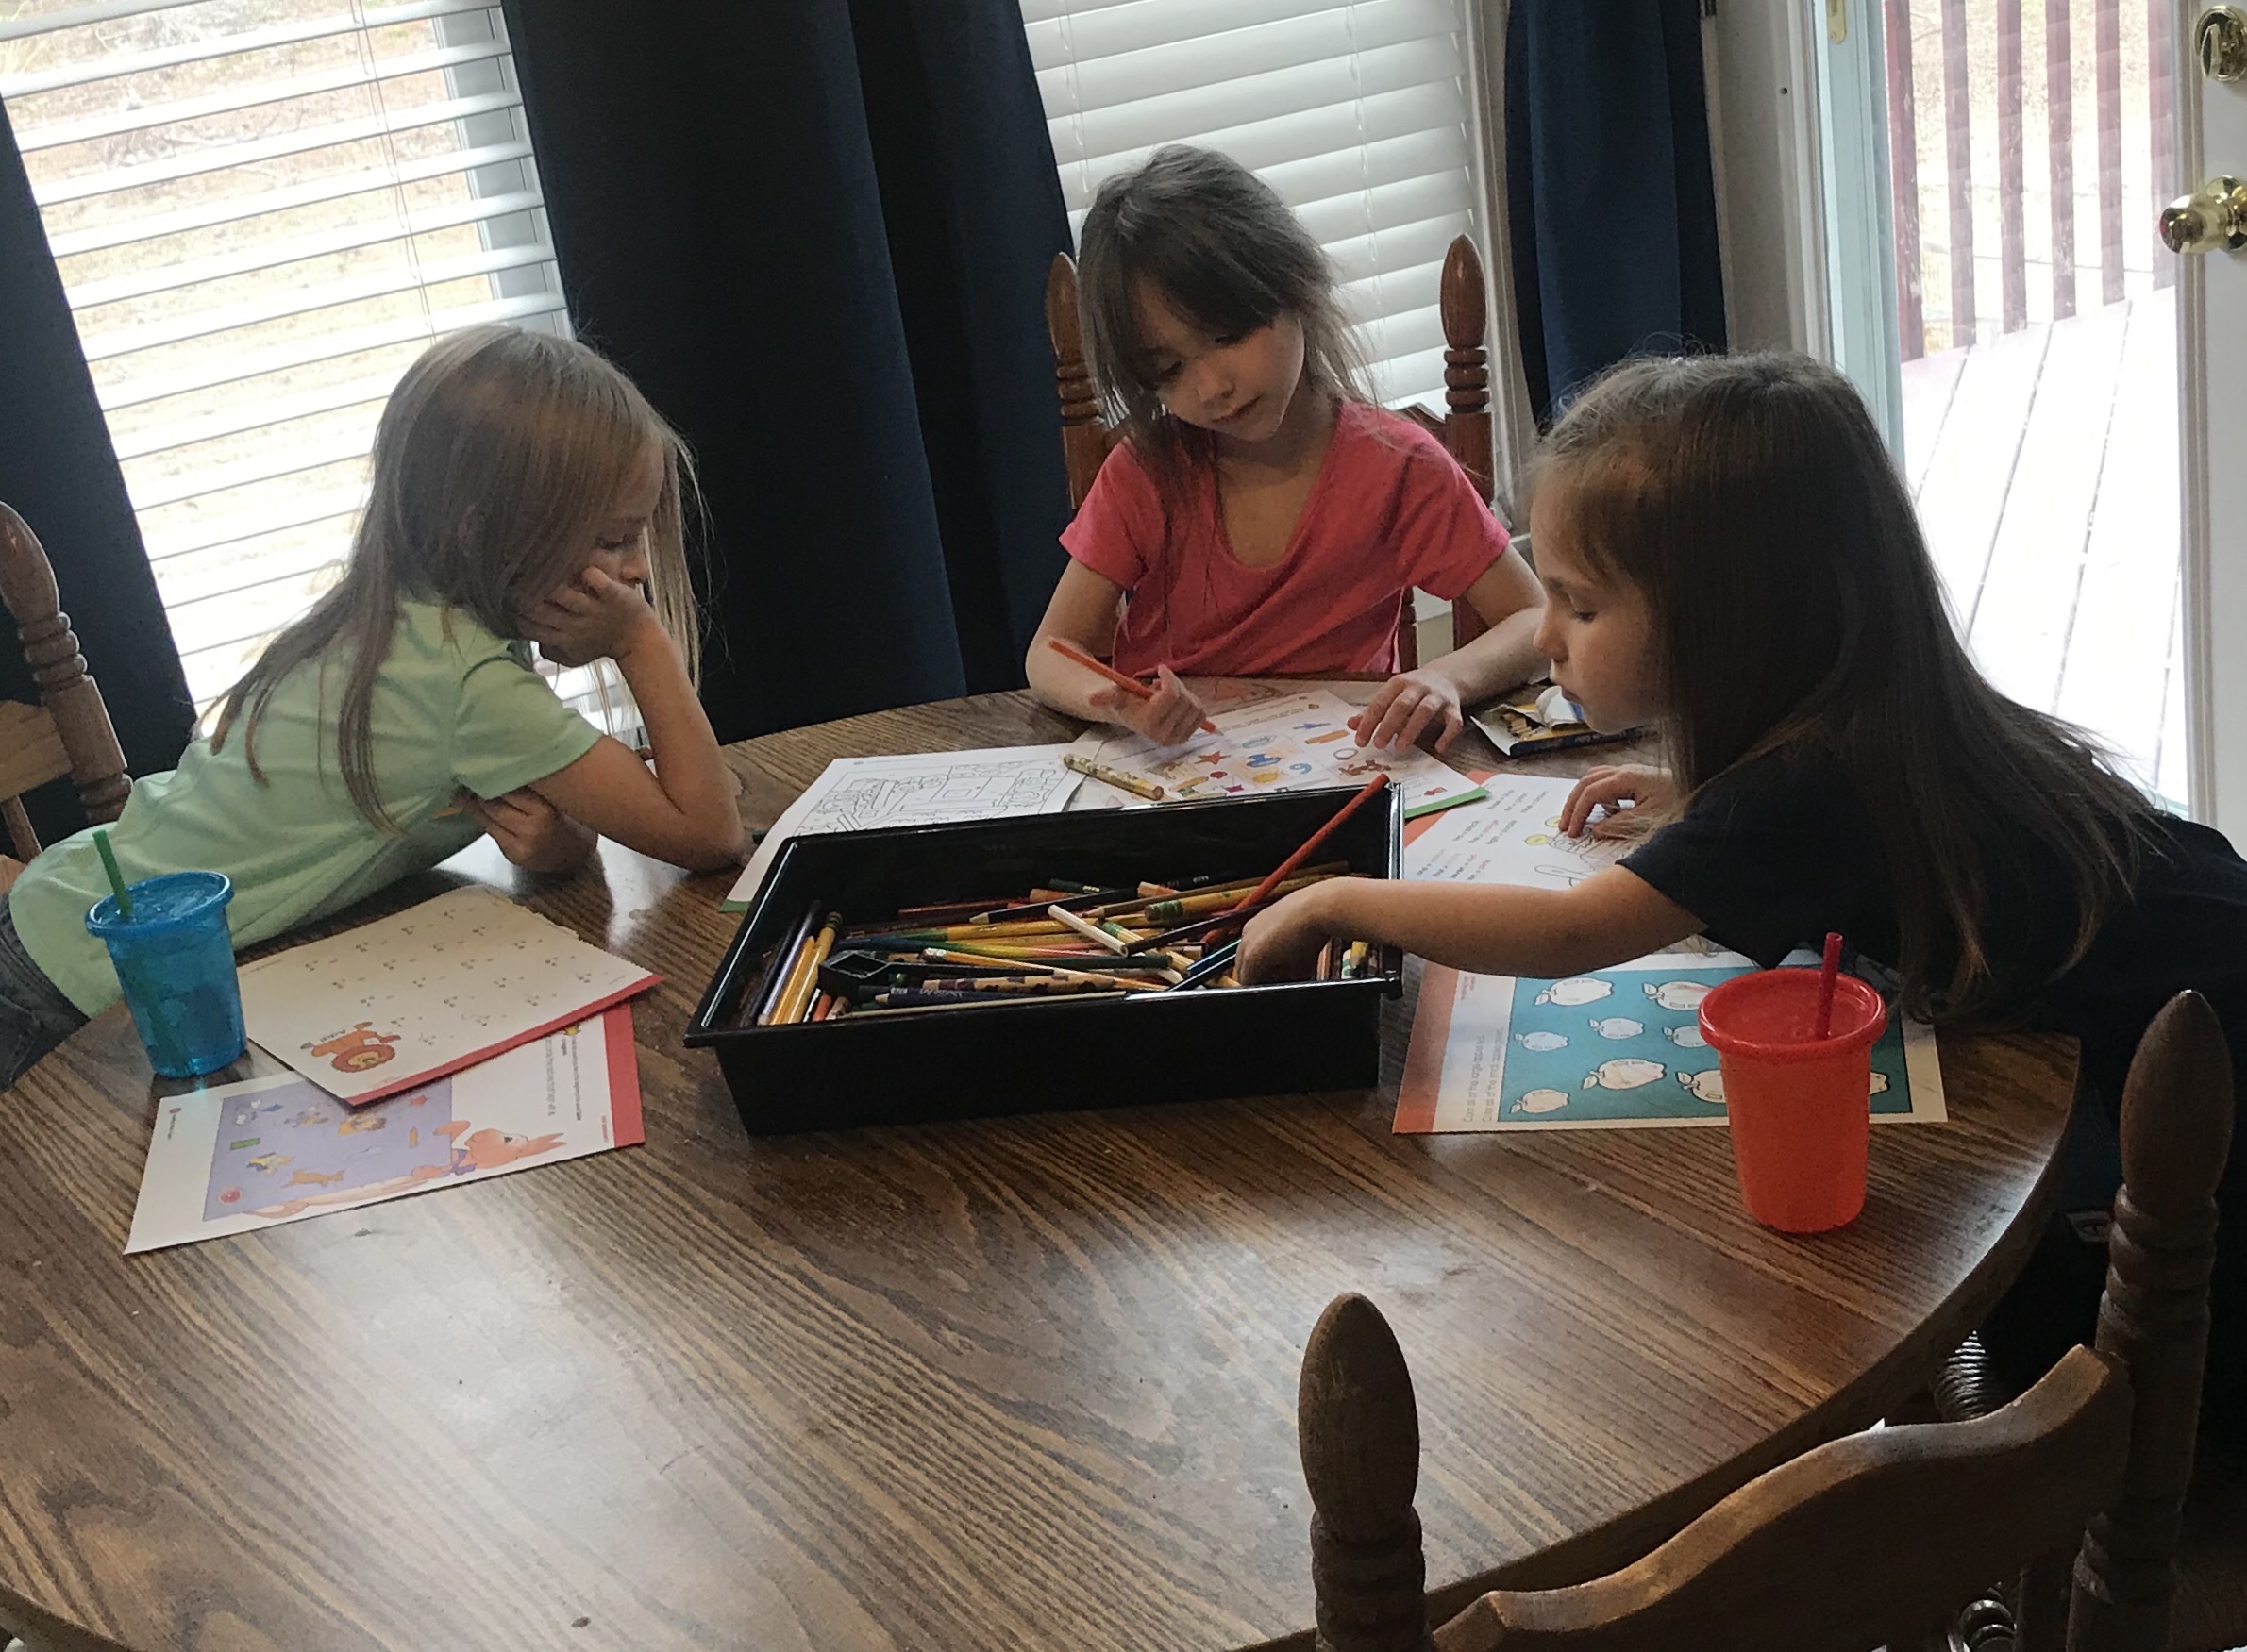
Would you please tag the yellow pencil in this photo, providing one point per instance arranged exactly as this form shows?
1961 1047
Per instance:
806 981
1115 777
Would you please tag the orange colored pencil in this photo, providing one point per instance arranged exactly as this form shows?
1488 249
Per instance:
1279 872
1130 684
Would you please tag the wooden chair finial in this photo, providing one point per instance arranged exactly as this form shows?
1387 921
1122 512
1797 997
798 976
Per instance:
51 649
2177 1106
1084 437
1360 1435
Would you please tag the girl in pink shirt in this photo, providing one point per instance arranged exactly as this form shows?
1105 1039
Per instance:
1260 516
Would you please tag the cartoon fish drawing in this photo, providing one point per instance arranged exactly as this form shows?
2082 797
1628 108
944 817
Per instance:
1578 990
1706 1085
271 1160
1678 995
1880 1082
1542 1101
1616 1026
1623 1073
313 1178
1542 1042
1685 1038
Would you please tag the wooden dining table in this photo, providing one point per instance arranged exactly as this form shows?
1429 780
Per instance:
1019 1382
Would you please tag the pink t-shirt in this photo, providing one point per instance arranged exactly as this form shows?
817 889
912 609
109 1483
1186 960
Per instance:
1390 509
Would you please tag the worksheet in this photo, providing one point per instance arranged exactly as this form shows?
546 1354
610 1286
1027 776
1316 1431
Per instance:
856 795
425 991
240 1157
1287 739
1510 835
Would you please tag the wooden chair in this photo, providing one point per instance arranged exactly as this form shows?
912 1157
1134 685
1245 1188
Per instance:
1463 429
68 732
1874 1538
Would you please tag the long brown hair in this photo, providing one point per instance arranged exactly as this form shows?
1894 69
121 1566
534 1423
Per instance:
1795 607
496 452
1226 252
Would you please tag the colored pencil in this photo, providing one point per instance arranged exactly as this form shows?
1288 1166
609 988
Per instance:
1353 961
866 1009
1129 684
1115 777
1157 891
1075 903
1169 938
1129 983
1285 868
780 973
1048 984
797 1000
1091 932
1325 972
1217 961
778 969
1162 909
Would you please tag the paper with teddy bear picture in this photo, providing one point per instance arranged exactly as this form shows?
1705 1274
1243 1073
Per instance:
426 991
237 1158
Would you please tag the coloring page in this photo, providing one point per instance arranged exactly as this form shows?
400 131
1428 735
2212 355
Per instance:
856 794
1511 836
252 1155
438 987
1287 739
1611 1048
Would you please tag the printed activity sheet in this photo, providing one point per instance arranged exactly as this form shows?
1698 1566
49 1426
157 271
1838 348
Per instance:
1512 835
1609 1048
428 991
856 795
1285 738
275 1149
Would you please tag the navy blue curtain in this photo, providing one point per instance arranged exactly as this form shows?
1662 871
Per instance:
1610 196
816 235
58 469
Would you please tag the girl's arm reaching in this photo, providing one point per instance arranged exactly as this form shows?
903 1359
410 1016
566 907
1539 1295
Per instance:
1436 695
1083 612
1490 930
684 811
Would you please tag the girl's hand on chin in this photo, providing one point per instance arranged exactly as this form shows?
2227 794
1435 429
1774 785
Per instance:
594 617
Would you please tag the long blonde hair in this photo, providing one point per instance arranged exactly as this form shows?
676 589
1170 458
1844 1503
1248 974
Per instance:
496 452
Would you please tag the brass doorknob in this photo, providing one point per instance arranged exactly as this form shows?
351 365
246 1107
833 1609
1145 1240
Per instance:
2211 218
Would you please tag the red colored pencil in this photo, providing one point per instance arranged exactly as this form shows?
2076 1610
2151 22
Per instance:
1318 836
1130 684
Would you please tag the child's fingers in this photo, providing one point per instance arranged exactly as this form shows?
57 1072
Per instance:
1453 724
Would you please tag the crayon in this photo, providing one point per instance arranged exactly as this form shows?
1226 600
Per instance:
1129 684
1114 777
1287 868
777 973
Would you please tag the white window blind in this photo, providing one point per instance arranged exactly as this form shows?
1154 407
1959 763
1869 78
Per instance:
1360 116
262 211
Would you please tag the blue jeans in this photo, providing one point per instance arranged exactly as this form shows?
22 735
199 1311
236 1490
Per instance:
33 1015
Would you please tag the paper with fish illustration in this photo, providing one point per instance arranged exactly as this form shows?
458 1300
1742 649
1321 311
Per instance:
430 989
1612 1048
1284 739
252 1155
856 795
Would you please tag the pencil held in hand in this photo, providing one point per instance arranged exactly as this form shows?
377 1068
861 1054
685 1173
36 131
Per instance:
1131 685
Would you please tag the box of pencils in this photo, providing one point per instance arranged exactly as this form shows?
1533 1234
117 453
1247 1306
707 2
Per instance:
1050 964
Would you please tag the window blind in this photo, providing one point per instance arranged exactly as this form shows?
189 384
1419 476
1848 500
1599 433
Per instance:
1360 116
262 211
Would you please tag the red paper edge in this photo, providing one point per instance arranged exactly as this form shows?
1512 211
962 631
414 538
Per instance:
1423 1057
624 1076
1419 824
584 1012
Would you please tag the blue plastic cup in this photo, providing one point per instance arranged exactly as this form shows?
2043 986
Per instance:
175 959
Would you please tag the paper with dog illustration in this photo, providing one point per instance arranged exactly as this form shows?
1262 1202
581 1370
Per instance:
427 991
242 1157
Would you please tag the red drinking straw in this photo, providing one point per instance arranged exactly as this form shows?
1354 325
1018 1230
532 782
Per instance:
1828 973
1129 684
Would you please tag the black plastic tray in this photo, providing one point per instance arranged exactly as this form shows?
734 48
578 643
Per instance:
1051 1054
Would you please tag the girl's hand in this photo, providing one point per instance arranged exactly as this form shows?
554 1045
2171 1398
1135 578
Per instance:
1408 705
594 617
1170 718
1621 790
531 832
1282 943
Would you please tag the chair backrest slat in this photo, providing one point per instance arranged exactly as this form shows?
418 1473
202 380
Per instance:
68 696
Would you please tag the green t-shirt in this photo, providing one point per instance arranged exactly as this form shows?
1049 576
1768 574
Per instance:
455 706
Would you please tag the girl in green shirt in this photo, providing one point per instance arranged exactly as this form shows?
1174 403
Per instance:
521 491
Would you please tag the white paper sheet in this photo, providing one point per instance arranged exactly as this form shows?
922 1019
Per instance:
1511 836
438 987
277 1149
1282 740
856 795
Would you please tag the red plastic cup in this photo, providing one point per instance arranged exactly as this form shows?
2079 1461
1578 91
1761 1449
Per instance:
1800 1104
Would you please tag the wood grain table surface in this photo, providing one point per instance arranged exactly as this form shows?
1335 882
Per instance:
1020 1383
